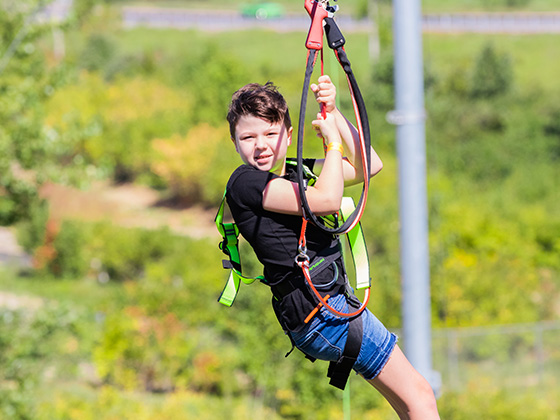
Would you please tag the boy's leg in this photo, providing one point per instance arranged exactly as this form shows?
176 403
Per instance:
405 389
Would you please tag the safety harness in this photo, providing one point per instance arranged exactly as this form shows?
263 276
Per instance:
346 222
338 371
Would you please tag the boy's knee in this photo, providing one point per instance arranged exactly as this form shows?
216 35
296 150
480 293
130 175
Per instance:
426 400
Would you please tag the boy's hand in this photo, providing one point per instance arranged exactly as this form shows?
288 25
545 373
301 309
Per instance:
326 128
325 93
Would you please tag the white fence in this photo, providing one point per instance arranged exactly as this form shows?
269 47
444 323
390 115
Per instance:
519 355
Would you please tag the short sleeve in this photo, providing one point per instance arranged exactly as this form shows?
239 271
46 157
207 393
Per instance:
246 185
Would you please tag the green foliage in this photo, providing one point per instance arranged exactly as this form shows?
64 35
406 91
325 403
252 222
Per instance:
97 53
31 232
31 341
69 259
102 55
110 403
212 76
109 135
22 86
382 87
492 74
380 92
194 167
480 402
29 154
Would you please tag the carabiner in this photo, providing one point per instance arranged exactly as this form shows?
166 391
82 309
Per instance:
302 258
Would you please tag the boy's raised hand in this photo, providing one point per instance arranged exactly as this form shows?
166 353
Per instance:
326 128
325 92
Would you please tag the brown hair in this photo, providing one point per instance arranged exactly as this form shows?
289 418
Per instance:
262 101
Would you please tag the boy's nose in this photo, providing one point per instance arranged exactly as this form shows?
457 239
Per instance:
261 142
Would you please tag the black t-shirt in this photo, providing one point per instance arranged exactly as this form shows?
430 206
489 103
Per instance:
273 236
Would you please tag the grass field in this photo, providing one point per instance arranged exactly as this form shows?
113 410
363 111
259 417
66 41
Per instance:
534 57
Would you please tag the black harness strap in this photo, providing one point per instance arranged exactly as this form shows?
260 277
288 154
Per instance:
335 41
339 371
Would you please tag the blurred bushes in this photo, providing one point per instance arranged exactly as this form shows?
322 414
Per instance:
37 344
202 178
481 402
492 74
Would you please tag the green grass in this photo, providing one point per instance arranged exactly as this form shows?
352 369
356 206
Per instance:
86 293
533 56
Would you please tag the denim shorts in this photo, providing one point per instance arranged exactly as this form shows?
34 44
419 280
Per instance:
325 336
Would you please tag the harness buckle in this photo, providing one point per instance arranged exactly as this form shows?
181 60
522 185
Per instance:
317 10
302 259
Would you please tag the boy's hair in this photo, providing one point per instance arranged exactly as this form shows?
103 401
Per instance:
261 101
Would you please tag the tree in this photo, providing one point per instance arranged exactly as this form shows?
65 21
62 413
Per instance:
492 74
28 152
23 87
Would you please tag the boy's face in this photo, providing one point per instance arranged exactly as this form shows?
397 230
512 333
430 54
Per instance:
262 144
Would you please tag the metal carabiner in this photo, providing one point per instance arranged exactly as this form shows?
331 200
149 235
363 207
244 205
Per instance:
302 258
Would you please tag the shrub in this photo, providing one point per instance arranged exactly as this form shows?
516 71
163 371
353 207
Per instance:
492 74
98 52
70 258
196 166
30 341
212 76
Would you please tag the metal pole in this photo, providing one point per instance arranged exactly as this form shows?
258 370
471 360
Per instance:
409 117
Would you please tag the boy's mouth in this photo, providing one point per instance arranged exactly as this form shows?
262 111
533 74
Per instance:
262 157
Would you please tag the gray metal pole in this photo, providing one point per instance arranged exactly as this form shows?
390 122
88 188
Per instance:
409 116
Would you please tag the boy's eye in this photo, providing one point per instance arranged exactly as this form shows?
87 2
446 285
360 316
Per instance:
272 134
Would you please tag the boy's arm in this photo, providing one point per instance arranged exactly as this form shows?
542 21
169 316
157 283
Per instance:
325 93
325 196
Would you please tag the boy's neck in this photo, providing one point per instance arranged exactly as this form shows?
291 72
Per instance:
280 171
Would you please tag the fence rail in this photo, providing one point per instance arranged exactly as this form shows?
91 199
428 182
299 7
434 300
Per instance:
519 355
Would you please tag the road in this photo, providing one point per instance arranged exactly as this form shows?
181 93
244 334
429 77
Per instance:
518 23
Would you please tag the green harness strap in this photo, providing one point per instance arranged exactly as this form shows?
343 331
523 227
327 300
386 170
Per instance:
230 247
357 243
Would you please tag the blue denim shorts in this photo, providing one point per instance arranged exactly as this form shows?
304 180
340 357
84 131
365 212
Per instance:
325 336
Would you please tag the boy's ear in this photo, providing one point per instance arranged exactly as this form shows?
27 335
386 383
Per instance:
235 144
290 131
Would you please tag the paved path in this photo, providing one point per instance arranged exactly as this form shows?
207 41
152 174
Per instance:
154 17
10 251
445 23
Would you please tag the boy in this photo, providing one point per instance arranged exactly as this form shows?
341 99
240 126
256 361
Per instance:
264 200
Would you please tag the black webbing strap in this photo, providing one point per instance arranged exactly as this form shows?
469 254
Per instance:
335 41
339 371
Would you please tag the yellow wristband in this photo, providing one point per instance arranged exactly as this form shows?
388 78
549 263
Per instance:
335 146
